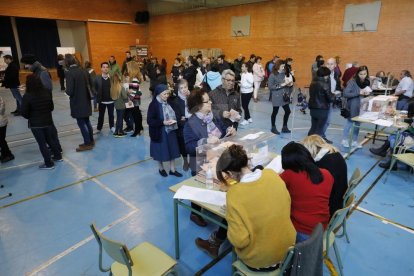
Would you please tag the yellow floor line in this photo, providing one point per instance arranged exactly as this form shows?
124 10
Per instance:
76 246
385 220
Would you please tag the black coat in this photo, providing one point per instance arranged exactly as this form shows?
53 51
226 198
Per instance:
178 105
190 74
154 121
336 165
77 90
11 76
319 94
37 108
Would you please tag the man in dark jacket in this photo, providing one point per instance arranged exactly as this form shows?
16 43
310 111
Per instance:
30 62
222 64
237 66
80 101
11 81
103 97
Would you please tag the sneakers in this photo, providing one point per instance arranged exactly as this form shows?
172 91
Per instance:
120 134
355 144
345 143
7 158
45 167
250 120
112 129
244 123
57 159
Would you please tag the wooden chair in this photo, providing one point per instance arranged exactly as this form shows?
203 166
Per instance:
144 259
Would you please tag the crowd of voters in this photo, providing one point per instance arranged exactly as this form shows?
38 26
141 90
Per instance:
207 100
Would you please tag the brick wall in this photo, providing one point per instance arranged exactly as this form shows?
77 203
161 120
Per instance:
298 29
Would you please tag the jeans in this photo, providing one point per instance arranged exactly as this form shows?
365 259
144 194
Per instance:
128 118
62 83
347 128
5 151
300 237
86 130
119 120
42 134
403 104
102 108
245 100
328 120
318 121
16 94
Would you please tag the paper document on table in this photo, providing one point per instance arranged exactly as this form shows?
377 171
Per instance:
252 136
276 164
201 195
382 122
369 116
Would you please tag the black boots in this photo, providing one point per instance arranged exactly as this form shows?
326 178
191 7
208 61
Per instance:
381 151
285 129
274 130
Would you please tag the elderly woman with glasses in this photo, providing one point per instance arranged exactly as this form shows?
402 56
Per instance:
202 128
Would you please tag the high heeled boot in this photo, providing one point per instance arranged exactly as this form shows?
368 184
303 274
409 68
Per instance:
381 151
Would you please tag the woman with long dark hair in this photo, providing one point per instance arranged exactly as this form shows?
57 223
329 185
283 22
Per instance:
309 187
357 87
278 86
37 107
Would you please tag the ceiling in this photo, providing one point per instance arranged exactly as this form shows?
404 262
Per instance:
158 7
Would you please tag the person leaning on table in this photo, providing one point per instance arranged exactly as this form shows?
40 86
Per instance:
356 88
201 128
257 213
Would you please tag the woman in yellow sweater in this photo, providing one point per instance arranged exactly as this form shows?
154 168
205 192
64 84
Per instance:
258 213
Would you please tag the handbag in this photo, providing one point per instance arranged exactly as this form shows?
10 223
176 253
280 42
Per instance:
344 110
286 96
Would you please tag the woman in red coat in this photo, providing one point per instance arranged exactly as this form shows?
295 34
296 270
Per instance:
309 188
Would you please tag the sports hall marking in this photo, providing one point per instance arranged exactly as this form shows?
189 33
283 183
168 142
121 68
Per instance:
74 183
56 258
385 220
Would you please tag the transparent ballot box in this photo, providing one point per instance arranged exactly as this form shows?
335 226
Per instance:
255 142
381 105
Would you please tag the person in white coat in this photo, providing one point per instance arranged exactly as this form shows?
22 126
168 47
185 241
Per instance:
258 76
246 91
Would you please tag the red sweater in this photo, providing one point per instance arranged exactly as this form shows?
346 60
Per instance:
310 202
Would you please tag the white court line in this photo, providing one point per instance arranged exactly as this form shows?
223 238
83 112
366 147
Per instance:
21 165
76 246
385 220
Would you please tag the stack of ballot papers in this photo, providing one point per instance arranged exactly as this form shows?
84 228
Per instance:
201 195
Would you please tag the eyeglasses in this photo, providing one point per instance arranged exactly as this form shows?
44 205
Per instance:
230 80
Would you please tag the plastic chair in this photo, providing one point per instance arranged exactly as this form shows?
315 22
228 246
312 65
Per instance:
329 236
242 270
402 153
312 247
144 259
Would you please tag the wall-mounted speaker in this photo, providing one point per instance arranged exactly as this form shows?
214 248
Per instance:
142 17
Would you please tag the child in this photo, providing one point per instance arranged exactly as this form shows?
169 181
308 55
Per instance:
6 154
119 93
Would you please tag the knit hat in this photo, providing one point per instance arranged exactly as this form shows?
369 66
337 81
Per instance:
28 59
160 88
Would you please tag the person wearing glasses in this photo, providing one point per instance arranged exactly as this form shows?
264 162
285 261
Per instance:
201 128
226 101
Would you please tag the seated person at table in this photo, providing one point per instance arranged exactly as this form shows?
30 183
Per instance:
404 90
199 129
258 213
380 80
328 157
309 188
406 139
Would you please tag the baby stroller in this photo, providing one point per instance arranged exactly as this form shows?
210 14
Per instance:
302 102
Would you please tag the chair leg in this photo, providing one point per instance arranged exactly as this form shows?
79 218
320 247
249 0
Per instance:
338 258
237 273
345 232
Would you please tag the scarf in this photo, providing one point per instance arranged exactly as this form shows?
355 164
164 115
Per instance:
168 114
182 97
212 129
363 84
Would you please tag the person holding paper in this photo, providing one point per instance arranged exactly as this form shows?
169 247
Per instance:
201 128
257 213
356 88
226 101
279 85
162 125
